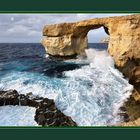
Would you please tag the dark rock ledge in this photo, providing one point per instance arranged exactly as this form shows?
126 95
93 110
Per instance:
46 113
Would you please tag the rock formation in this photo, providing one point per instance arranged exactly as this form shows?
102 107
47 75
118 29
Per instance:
68 39
124 44
46 114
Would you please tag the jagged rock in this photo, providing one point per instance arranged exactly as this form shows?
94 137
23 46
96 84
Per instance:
46 114
9 97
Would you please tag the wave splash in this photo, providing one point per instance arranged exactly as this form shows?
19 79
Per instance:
91 95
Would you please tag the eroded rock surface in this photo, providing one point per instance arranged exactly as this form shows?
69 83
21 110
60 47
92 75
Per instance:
46 114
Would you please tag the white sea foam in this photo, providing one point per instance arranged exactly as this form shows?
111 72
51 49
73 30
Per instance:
91 95
17 116
99 59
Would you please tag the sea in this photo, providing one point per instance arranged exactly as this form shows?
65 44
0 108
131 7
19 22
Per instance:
88 89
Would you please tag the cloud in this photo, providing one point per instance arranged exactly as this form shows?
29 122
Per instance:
28 27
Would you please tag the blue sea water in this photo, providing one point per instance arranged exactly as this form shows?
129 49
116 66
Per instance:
90 90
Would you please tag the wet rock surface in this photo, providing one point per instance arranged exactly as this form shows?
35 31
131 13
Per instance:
46 114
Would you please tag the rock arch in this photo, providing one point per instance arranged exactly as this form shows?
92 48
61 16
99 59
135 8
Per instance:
67 39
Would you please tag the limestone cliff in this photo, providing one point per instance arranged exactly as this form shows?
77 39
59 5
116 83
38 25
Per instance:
67 39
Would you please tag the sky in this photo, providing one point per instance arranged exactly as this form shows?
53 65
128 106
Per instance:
25 28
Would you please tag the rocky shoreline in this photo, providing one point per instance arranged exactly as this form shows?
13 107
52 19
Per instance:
47 114
70 39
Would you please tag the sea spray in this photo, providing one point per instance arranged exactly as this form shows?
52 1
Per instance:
99 59
91 95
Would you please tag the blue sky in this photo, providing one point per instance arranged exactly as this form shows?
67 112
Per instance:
28 27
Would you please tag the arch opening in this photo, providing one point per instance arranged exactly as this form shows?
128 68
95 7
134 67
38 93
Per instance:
98 38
